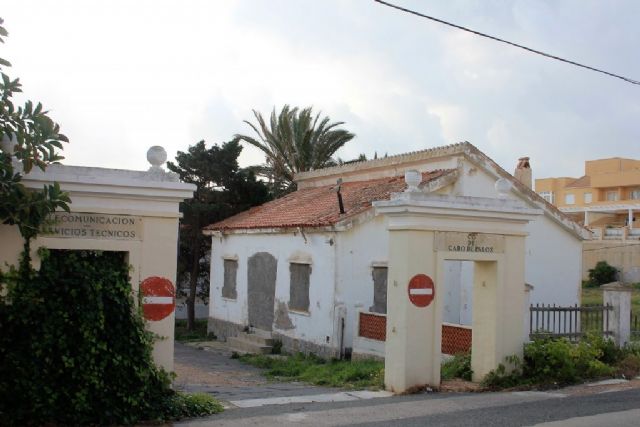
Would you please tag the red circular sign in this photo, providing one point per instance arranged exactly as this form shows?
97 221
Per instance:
158 298
421 290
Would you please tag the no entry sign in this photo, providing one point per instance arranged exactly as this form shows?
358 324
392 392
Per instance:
158 298
421 290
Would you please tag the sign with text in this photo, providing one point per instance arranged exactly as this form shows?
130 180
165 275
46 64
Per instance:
80 225
469 242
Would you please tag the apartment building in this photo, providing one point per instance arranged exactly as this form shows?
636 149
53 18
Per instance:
606 197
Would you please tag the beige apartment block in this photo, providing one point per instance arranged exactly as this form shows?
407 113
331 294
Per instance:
606 199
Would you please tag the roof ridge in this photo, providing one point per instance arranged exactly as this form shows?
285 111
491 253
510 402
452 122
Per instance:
384 161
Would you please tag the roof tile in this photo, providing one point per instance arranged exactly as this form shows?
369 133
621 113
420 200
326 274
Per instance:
318 206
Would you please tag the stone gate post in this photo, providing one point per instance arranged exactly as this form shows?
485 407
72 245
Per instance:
618 295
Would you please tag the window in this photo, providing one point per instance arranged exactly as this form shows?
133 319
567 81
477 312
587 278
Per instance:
569 199
547 195
588 198
229 285
379 275
299 286
634 194
612 196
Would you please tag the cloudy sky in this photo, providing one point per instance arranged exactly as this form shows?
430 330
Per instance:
120 76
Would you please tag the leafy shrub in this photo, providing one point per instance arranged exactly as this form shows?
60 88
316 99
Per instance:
457 367
74 349
602 274
557 362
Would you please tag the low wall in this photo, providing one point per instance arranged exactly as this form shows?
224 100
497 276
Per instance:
372 331
623 255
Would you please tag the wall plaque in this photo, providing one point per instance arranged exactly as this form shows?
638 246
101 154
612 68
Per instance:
469 242
78 225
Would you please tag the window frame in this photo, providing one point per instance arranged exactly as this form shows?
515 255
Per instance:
292 288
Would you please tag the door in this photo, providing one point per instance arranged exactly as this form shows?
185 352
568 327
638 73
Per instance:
261 288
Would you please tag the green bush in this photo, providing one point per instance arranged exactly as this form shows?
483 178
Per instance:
557 362
602 274
74 349
457 367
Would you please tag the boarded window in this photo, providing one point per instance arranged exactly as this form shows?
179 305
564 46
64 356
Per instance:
299 286
379 290
229 286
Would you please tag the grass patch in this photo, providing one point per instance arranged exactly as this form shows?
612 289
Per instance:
593 296
457 367
362 374
182 334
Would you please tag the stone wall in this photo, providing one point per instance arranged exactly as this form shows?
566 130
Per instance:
295 345
223 329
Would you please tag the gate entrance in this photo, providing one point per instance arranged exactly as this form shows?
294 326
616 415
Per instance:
426 231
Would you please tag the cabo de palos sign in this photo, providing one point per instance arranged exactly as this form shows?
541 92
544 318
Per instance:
80 225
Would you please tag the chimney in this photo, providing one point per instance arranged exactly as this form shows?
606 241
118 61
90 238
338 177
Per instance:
523 171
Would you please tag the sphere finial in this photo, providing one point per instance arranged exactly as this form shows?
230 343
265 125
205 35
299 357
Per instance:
156 155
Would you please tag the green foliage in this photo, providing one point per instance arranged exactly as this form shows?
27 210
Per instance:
602 274
74 349
199 333
457 367
557 362
178 406
35 138
294 141
315 370
222 189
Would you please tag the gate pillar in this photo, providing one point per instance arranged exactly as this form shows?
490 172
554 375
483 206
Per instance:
424 231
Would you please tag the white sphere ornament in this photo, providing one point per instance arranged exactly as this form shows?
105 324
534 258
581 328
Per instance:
156 155
503 186
413 178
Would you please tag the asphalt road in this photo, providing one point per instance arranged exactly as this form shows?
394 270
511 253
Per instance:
610 409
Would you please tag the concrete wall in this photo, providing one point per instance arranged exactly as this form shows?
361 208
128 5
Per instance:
358 251
625 256
315 328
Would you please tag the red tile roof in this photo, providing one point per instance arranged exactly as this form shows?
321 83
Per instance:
318 206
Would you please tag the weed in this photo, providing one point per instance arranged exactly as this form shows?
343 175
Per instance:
315 370
457 367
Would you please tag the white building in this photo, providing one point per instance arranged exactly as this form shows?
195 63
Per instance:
306 273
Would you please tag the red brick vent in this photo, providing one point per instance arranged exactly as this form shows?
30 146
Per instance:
455 339
373 326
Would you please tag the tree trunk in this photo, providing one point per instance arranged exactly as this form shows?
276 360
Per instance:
193 282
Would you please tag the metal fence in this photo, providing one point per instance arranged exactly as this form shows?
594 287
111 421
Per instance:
635 327
571 322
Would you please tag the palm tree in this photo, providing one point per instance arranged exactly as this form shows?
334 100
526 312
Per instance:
295 141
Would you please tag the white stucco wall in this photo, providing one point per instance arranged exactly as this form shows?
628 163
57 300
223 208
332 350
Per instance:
341 279
358 251
554 256
314 326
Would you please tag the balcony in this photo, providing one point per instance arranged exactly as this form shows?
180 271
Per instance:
615 233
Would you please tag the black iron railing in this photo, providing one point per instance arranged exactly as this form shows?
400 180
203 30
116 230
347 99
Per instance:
572 322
